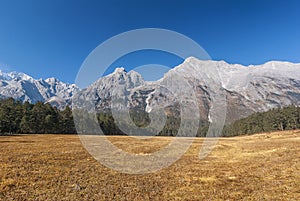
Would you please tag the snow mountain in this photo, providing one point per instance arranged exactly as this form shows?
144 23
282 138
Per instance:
247 89
195 83
23 87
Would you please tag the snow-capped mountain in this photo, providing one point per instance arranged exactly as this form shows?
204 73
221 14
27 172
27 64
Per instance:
100 92
23 87
247 89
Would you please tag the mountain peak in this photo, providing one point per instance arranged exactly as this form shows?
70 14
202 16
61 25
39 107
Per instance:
189 59
201 61
16 76
51 80
120 70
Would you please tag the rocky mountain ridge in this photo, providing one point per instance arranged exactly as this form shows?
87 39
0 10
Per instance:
247 89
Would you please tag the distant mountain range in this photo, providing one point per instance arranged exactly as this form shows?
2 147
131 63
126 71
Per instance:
247 89
25 88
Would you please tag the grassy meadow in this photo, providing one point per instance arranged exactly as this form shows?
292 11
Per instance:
57 167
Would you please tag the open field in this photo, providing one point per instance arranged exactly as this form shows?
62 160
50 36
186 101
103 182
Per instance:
57 167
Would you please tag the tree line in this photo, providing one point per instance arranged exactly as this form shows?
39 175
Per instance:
124 125
39 118
279 119
42 118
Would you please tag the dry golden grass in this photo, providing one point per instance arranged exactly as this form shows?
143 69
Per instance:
57 167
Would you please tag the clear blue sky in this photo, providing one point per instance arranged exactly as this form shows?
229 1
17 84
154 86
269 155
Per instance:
46 38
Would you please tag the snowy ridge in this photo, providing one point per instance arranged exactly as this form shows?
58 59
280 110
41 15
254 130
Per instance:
248 89
21 86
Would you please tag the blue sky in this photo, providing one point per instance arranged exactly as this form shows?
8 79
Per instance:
46 38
